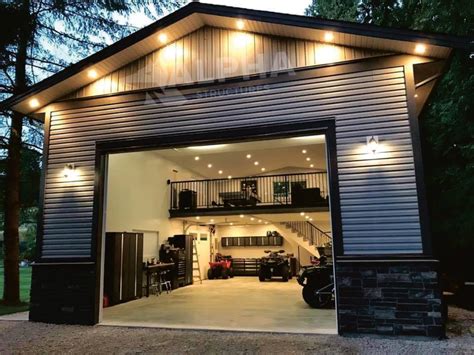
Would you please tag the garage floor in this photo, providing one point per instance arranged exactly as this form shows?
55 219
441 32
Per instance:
241 303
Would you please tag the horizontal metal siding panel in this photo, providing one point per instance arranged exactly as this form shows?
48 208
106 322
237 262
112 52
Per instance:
372 191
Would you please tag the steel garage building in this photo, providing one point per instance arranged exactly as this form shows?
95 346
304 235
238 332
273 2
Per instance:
208 76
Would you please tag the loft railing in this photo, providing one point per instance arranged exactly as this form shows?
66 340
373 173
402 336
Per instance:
299 190
309 232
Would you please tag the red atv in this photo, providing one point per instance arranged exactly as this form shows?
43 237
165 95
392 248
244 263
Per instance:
222 267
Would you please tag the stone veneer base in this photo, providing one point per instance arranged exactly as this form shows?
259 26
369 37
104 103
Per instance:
389 297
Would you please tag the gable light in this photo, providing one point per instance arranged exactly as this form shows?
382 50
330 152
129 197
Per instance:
420 48
162 38
240 24
328 36
34 103
92 74
372 144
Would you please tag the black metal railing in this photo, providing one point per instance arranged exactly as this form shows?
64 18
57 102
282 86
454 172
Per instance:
309 232
299 190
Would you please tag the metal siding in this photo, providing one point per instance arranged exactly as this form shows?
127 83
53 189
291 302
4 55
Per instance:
378 196
211 49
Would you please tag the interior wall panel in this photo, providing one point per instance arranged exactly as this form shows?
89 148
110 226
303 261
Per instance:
378 193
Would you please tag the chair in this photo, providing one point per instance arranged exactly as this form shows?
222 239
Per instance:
164 282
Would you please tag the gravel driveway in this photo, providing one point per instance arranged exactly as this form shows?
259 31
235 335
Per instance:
26 337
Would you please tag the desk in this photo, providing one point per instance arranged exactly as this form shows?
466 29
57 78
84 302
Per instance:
156 269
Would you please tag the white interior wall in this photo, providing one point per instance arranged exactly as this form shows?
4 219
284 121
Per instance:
138 197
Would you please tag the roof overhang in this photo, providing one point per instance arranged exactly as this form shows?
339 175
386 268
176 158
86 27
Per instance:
195 15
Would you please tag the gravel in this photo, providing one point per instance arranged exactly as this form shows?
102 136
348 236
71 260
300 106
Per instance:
26 337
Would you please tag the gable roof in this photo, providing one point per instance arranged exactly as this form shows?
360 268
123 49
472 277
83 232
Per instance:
195 15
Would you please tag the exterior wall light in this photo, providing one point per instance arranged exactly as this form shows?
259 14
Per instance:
420 48
69 171
373 144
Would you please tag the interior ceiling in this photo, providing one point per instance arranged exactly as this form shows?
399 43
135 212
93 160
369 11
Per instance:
275 156
320 219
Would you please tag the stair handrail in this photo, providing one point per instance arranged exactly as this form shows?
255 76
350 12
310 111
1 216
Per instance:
314 234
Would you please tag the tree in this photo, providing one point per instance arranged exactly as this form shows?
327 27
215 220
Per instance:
447 129
39 38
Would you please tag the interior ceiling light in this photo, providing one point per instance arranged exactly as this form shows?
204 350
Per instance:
241 216
304 151
229 177
209 166
34 103
163 38
240 24
311 165
307 217
220 171
207 147
197 217
308 159
328 36
256 163
259 221
196 158
212 220
249 156
231 223
263 169
302 213
252 219
319 137
92 74
420 48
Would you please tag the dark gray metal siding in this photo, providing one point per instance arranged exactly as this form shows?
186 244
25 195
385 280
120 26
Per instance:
378 196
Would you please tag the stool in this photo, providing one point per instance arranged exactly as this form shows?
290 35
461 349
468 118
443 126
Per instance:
164 282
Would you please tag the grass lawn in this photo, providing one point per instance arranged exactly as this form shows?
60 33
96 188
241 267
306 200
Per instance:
25 284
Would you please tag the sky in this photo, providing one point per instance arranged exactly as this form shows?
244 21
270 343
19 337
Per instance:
295 7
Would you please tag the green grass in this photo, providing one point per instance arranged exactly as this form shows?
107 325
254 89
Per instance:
25 284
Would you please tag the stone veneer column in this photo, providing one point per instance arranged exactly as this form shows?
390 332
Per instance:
389 297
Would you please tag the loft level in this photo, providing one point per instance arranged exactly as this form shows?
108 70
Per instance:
259 194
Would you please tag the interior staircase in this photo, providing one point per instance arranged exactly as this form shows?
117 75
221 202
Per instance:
306 234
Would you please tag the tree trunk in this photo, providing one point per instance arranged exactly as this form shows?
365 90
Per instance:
11 291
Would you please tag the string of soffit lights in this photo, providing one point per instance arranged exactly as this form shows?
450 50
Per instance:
92 73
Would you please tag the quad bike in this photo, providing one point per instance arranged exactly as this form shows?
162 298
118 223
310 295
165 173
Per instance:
274 264
318 283
221 267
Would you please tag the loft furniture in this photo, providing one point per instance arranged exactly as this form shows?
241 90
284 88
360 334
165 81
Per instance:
187 199
239 198
306 197
274 240
123 273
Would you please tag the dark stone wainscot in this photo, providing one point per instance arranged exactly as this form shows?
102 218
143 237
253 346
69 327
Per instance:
390 297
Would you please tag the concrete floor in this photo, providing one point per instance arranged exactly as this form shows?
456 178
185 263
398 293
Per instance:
239 304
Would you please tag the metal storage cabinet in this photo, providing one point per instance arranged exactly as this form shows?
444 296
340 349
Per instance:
123 275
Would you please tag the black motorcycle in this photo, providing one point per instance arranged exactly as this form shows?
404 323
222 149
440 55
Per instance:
318 283
274 264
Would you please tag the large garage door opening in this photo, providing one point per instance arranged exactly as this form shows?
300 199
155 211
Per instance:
229 236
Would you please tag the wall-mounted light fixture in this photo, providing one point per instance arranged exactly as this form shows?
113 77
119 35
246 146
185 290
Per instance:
372 144
69 171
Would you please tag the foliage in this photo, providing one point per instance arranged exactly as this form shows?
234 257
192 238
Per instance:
447 129
39 38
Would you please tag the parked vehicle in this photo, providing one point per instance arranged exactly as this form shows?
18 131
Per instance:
274 264
318 283
221 267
